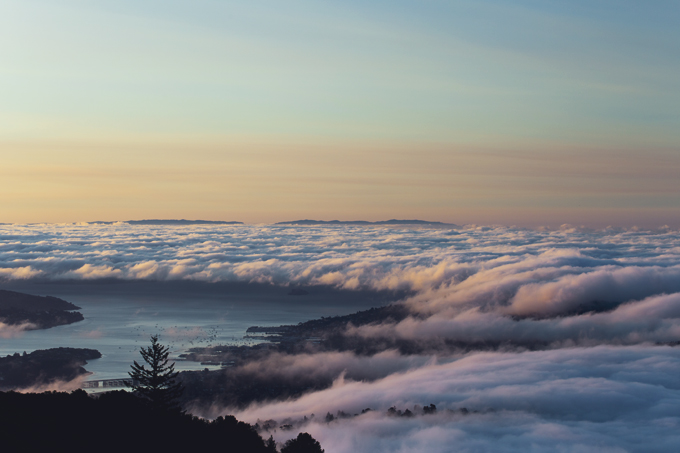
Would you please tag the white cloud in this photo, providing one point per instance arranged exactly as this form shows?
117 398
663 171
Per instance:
485 284
574 399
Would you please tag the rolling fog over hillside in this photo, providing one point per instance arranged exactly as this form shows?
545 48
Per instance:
542 336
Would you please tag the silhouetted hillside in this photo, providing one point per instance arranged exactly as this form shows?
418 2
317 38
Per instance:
115 421
174 222
241 383
44 366
29 302
323 325
41 311
365 222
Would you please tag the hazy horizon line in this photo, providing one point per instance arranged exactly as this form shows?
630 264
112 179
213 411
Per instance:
357 222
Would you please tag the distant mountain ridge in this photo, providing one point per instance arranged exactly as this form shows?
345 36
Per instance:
173 222
365 222
293 222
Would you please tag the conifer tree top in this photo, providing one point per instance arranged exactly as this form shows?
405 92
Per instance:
156 383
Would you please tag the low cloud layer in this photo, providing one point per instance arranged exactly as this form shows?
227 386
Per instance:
654 319
573 399
517 261
334 364
55 386
15 330
583 323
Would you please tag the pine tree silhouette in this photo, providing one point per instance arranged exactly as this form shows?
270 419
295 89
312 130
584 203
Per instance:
270 445
156 384
304 443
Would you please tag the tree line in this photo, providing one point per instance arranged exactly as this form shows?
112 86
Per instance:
144 420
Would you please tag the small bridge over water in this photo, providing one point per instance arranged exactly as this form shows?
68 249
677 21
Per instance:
106 383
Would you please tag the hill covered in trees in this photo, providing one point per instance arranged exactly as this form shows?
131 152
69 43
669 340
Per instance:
36 312
44 366
114 421
147 419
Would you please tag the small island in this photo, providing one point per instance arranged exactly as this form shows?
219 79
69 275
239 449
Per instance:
36 312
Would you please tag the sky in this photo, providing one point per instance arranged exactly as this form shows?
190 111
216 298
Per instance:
517 112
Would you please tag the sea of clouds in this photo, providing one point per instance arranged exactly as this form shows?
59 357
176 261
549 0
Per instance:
603 398
600 381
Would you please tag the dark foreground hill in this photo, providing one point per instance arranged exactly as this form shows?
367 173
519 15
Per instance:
40 312
113 422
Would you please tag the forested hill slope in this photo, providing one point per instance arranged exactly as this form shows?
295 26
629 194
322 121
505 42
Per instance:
40 312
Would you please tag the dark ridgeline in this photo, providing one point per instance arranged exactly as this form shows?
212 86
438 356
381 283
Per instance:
145 420
44 367
170 222
42 312
236 385
304 443
366 222
114 421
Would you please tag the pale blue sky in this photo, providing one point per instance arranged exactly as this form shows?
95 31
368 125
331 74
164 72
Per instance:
545 76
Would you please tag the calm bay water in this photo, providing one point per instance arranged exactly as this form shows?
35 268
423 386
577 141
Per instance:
121 316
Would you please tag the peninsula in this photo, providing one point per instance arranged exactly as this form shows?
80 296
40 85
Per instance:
44 366
36 312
